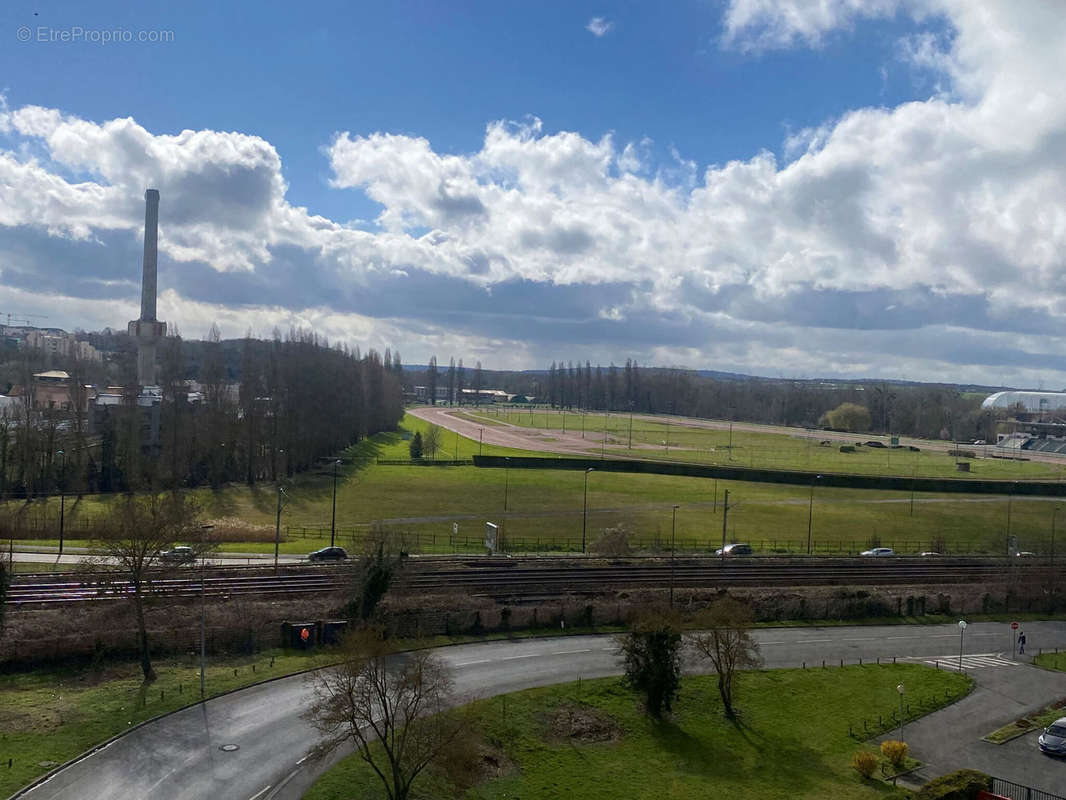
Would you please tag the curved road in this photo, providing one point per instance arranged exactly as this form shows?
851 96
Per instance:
179 756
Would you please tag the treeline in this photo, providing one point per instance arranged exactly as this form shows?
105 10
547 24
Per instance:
925 410
296 400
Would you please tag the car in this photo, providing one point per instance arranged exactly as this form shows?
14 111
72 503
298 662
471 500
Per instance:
1053 739
329 554
178 555
929 553
736 549
878 551
1025 554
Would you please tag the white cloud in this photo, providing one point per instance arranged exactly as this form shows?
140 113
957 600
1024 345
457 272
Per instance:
947 211
599 26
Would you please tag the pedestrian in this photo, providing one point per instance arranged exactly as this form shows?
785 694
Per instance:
1021 642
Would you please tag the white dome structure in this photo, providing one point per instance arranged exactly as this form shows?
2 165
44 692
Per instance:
1033 402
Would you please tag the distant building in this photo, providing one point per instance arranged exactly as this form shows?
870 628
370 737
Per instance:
52 390
1030 402
59 344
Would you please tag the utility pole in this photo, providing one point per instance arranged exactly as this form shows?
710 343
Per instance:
203 604
725 516
673 549
62 497
333 519
585 511
630 424
277 528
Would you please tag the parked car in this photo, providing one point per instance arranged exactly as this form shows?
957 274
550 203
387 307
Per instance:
736 549
878 551
178 555
329 554
1053 739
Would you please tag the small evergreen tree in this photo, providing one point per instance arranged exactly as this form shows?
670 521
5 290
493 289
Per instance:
652 658
416 446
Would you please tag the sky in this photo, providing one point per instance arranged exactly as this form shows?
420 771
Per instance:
789 188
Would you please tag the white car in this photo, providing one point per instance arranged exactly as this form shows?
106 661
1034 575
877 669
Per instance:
878 551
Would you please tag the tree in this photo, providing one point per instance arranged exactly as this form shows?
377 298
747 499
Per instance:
392 707
651 653
432 379
140 528
728 645
432 441
848 417
416 446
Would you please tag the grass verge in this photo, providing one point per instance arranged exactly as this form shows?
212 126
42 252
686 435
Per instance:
791 742
1028 723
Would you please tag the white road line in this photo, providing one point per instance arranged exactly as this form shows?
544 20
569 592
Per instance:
302 760
260 793
513 658
468 663
567 652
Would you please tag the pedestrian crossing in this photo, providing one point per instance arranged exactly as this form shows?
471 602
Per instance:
972 661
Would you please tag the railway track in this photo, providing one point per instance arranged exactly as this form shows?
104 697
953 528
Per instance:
516 579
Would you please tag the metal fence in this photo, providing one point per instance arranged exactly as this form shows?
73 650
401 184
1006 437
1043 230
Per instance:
1017 791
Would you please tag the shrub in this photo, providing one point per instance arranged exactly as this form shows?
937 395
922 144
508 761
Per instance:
847 448
895 752
415 448
613 542
864 762
963 784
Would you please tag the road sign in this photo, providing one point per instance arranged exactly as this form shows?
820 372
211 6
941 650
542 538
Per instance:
1014 626
962 624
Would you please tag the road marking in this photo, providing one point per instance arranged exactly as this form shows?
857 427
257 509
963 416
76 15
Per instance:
260 793
302 760
512 658
567 652
972 661
468 663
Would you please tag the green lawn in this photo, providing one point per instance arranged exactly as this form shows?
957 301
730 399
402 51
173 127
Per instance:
545 508
49 716
793 740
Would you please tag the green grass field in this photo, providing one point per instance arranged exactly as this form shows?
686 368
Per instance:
793 740
681 440
545 508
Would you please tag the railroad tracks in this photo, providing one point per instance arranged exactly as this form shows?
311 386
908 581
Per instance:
518 578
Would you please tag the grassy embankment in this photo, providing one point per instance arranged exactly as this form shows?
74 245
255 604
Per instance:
793 740
546 506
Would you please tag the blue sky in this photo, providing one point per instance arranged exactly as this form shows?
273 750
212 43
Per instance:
785 187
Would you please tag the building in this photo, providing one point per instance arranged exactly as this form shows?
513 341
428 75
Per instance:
59 343
52 390
1027 402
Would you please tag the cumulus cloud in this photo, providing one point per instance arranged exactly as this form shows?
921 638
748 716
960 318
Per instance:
923 241
599 26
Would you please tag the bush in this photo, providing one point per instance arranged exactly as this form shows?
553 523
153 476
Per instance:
847 448
613 542
864 762
895 752
415 448
963 784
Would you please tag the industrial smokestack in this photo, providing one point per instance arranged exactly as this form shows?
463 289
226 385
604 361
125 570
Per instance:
151 235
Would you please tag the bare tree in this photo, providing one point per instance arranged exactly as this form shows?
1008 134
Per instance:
140 529
431 442
393 707
728 645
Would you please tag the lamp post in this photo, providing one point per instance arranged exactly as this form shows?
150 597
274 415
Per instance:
480 439
673 549
333 519
506 481
810 514
203 605
899 688
630 425
603 441
277 526
1054 511
62 496
962 631
585 510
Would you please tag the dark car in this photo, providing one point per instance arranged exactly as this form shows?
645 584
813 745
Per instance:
736 549
178 555
329 554
1053 739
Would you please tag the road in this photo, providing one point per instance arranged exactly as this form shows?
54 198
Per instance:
179 756
49 556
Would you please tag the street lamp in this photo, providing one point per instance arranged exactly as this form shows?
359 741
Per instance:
1053 513
506 481
673 549
899 688
480 439
630 425
203 605
810 513
962 631
333 519
277 526
585 511
62 496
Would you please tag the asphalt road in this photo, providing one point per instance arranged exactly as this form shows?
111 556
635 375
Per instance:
179 756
